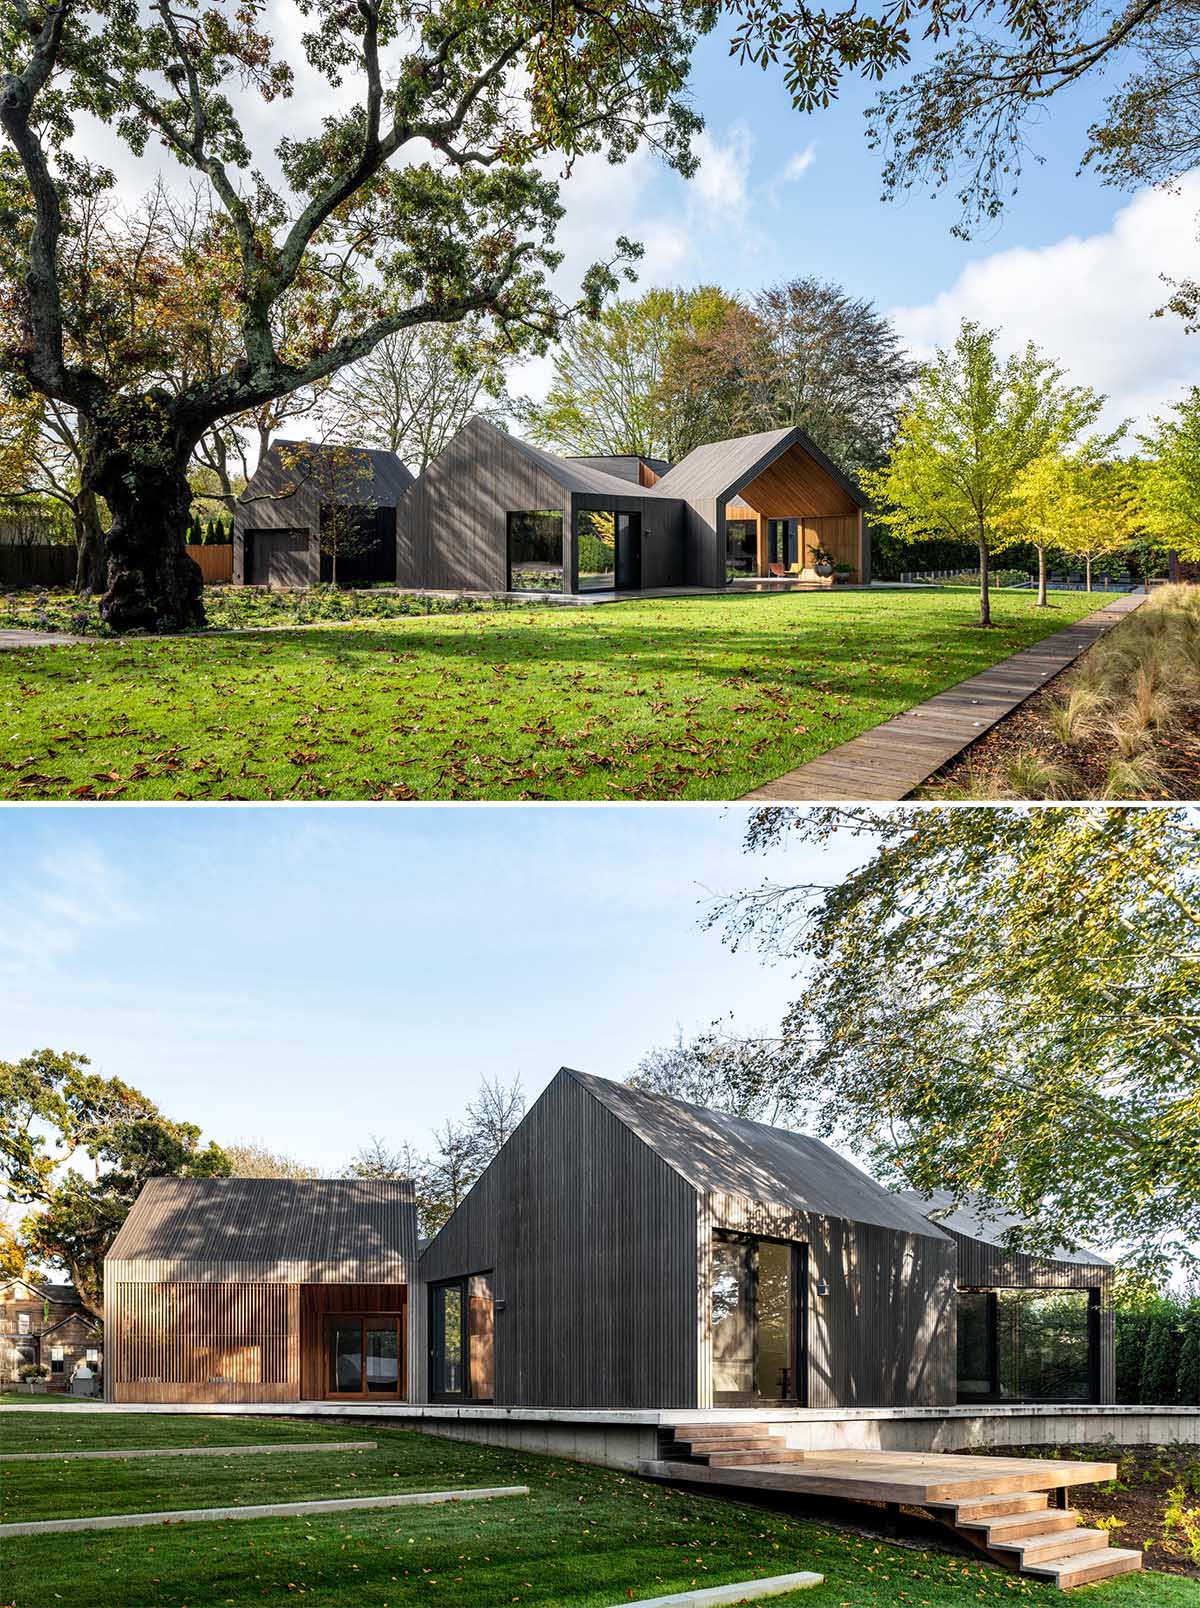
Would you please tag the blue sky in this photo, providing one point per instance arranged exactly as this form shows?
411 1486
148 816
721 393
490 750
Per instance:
308 977
1072 265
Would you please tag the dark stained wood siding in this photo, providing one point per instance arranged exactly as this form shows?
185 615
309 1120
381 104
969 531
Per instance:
884 1335
451 530
985 1266
452 525
591 1241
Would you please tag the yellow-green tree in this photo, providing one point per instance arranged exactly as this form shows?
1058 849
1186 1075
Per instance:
976 424
1069 503
1169 482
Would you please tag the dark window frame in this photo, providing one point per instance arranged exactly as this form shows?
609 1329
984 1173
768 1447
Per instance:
801 1273
462 1282
994 1393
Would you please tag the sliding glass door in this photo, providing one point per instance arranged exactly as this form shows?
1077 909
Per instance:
758 1319
364 1354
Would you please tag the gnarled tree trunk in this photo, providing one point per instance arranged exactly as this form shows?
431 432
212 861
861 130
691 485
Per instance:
141 472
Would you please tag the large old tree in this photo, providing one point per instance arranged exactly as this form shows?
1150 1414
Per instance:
421 198
76 1149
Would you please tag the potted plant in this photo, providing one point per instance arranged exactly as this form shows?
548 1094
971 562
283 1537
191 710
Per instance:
33 1376
822 560
843 572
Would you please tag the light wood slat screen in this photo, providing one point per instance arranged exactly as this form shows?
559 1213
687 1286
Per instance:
214 1341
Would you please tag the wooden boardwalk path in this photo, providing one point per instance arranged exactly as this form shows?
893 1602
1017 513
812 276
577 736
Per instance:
893 758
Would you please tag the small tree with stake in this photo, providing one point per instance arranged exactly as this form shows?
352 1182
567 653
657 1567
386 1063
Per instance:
422 202
975 426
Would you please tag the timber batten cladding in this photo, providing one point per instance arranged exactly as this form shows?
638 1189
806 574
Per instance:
597 1221
216 1289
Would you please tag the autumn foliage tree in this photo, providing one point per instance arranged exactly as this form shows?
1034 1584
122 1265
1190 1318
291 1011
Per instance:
422 201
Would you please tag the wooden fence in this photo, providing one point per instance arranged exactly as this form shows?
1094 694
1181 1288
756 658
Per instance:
215 560
40 564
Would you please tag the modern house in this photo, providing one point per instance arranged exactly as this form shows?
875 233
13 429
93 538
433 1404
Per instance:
263 1290
307 504
493 513
47 1326
623 1250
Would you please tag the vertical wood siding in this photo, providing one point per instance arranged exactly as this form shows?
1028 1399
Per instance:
203 1342
452 525
451 528
884 1335
591 1241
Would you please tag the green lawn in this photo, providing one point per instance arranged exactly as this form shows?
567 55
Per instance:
679 698
584 1537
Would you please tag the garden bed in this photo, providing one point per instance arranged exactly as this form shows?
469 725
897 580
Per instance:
1122 723
1133 1507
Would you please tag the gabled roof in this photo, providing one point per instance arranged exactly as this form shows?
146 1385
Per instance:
56 1294
732 1155
269 1221
722 468
377 476
571 474
975 1218
81 1316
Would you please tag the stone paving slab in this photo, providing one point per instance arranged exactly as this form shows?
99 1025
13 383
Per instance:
893 758
739 1591
267 1510
40 639
242 1450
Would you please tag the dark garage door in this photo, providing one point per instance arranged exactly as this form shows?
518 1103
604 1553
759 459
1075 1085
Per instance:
278 558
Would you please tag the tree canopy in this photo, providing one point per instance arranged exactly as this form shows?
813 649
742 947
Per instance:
966 118
1001 1003
1169 478
56 1117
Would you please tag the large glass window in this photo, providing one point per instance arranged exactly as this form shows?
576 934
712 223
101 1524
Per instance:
757 1328
535 551
596 539
364 1354
462 1338
733 1317
446 1339
741 546
1027 1345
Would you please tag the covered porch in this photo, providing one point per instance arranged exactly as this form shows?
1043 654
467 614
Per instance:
794 521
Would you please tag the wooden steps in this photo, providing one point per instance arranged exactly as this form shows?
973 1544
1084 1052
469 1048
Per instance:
999 1505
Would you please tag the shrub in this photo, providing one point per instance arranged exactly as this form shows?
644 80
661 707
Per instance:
1187 1378
1160 1360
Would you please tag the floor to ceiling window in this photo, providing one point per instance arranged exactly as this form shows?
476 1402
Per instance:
462 1339
757 1318
535 551
741 547
1028 1345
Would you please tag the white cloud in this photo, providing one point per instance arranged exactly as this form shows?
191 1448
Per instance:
799 163
721 188
1088 302
58 906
